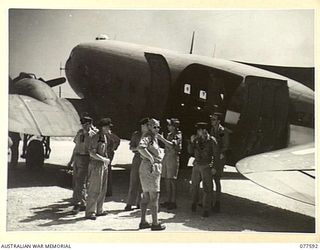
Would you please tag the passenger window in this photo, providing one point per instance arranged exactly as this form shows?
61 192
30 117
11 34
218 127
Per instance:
203 95
187 89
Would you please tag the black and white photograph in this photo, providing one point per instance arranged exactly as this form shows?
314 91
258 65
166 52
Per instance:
161 120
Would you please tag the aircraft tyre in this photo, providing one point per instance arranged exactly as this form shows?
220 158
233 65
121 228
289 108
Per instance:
35 154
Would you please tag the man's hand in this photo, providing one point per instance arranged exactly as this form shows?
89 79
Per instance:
192 138
221 156
152 160
160 137
106 161
69 165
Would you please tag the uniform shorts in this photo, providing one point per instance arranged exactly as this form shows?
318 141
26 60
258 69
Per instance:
170 166
150 176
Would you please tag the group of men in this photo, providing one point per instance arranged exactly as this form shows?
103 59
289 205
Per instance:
91 161
94 151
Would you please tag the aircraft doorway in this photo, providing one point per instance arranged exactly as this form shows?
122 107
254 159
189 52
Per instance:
263 123
199 91
195 98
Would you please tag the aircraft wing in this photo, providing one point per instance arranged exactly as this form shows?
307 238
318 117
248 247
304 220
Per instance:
289 172
31 116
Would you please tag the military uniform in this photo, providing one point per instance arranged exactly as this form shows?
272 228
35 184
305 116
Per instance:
80 166
170 162
97 176
15 139
205 152
150 174
222 137
113 144
135 186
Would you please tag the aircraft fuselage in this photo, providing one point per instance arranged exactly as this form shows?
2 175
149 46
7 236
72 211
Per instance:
127 82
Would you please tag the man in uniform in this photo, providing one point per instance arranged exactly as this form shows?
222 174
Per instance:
15 138
98 171
170 162
80 160
134 193
113 144
222 137
204 149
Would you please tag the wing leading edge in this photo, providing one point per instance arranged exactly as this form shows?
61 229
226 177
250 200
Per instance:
30 116
289 172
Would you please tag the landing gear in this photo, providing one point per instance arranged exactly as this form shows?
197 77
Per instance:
35 154
35 150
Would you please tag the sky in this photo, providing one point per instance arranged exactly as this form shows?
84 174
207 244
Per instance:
39 40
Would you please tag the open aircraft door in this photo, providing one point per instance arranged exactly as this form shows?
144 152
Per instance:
263 123
160 82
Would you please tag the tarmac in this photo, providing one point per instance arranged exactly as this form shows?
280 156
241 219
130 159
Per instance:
40 200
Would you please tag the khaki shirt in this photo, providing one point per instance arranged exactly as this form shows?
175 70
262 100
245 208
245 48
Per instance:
176 139
222 137
205 151
150 143
98 145
134 142
82 141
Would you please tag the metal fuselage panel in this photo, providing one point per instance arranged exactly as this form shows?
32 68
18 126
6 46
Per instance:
116 78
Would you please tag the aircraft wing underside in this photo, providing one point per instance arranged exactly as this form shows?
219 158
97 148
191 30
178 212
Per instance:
31 116
289 172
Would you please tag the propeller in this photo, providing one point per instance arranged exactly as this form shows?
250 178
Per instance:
56 81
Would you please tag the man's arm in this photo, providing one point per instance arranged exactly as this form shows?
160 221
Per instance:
134 142
93 151
142 148
191 145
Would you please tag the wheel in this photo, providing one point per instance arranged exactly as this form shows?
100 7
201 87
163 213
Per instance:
35 154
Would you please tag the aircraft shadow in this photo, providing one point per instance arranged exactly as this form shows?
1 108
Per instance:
49 175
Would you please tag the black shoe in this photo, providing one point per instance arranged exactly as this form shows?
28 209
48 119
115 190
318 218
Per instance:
205 214
128 208
194 207
91 217
76 209
82 208
158 227
216 207
137 207
103 213
144 225
165 204
172 205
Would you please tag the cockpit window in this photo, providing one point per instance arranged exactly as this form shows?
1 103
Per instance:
187 89
203 95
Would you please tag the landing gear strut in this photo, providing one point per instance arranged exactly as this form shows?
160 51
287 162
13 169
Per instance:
35 150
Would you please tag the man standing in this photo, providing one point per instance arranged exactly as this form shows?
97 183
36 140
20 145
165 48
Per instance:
98 171
150 175
204 149
15 138
222 137
134 194
80 160
170 162
113 144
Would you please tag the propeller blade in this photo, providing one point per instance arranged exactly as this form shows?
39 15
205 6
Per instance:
56 81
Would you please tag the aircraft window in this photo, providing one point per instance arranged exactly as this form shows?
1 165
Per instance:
203 95
187 89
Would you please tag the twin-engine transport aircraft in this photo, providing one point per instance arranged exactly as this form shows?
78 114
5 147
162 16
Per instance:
265 111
